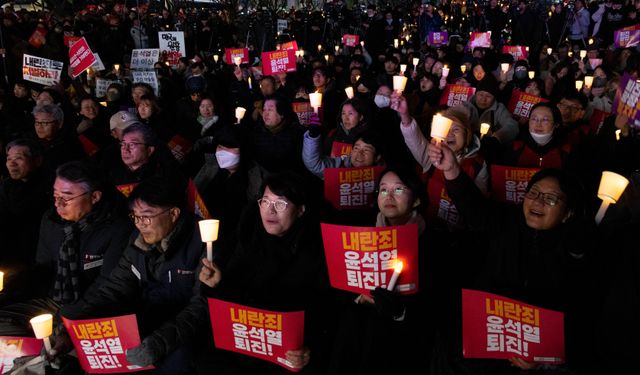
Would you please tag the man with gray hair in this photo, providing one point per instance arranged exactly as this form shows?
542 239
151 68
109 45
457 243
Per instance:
59 146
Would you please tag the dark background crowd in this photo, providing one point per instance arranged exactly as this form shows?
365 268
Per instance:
121 235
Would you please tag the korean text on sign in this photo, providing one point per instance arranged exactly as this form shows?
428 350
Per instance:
351 188
499 327
456 94
521 103
627 100
283 61
258 333
361 258
509 184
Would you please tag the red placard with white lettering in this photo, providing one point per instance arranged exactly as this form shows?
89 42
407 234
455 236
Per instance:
278 62
521 103
509 184
361 259
179 147
263 334
303 110
101 344
12 347
498 327
339 149
627 99
195 202
478 39
518 52
351 188
292 45
231 53
350 40
80 57
456 94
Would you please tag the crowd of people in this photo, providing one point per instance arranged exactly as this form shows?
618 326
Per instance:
121 233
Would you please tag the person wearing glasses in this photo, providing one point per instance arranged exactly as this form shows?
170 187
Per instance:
573 107
58 144
538 252
155 277
277 264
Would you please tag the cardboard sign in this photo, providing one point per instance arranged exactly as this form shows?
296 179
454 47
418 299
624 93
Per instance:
278 62
438 38
480 39
12 347
361 259
303 110
144 59
351 188
230 55
350 40
339 149
101 344
292 45
195 203
518 52
40 70
497 327
148 77
263 334
627 100
126 189
627 37
172 46
521 103
509 184
38 38
456 94
102 85
69 40
80 57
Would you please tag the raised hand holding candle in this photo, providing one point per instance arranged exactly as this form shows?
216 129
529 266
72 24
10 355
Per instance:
116 68
588 81
319 47
209 234
349 92
316 100
399 83
549 51
240 113
403 68
237 60
617 139
504 67
579 85
43 328
445 71
532 74
484 129
415 61
440 126
611 187
583 53
395 43
463 68
397 269
216 58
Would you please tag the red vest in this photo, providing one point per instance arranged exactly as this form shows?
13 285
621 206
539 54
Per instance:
527 157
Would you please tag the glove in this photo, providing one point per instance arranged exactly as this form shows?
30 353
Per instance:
145 354
314 125
387 303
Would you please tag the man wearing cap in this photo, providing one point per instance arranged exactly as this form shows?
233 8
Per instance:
119 122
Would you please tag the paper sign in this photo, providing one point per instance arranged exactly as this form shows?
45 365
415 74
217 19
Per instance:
68 40
172 46
292 45
263 334
362 258
350 40
339 149
456 94
98 65
230 55
101 344
627 100
282 26
195 203
438 38
351 188
38 38
498 327
80 57
278 62
509 184
102 85
479 39
627 37
521 103
40 70
144 59
146 77
12 347
518 52
303 110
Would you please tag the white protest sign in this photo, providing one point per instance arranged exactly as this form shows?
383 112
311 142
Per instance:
98 65
41 70
147 77
144 59
102 85
172 46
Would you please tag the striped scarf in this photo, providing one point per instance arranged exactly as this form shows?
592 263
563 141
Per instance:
67 284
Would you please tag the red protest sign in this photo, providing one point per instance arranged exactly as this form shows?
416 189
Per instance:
521 103
339 149
278 62
230 55
479 39
518 52
179 147
596 120
292 45
456 94
101 344
351 188
509 184
264 334
350 40
38 38
361 259
501 328
12 347
303 110
80 57
195 201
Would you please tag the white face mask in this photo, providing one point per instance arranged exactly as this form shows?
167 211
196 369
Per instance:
227 159
541 139
382 101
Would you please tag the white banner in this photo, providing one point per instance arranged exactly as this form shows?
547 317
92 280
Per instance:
172 46
143 59
41 70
